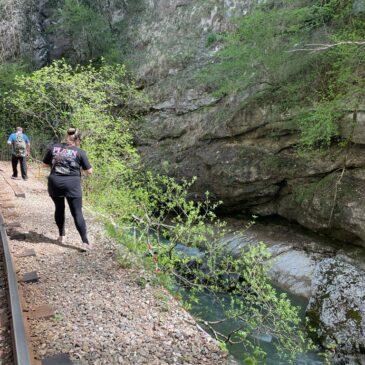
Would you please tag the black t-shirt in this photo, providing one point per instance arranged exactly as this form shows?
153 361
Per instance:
66 162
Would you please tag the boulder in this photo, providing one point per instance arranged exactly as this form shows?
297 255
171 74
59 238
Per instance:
336 310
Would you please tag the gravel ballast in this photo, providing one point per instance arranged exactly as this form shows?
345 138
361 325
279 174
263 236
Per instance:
102 315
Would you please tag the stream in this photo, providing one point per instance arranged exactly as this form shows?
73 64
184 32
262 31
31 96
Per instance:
296 252
206 310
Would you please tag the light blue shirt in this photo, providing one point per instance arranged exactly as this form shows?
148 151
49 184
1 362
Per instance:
12 139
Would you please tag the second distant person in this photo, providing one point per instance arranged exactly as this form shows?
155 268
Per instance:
20 150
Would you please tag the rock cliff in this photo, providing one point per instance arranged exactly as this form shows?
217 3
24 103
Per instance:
241 152
22 31
336 310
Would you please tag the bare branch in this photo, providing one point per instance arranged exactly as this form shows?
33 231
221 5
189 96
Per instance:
317 47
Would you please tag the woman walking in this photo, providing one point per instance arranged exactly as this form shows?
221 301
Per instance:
66 161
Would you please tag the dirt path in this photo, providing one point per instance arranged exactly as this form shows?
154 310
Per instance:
103 315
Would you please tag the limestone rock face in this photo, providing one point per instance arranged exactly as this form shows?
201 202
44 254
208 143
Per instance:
22 31
242 153
335 204
337 309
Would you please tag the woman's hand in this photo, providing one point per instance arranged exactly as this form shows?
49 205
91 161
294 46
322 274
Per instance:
88 172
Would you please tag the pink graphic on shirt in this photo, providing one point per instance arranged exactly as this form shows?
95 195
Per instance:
64 152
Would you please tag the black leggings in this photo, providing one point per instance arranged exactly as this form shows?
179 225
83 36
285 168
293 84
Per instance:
75 205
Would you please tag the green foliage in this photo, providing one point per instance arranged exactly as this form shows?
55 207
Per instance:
254 54
354 315
223 346
164 220
141 281
254 305
304 194
127 259
88 30
318 127
283 63
256 357
213 38
57 317
8 71
51 99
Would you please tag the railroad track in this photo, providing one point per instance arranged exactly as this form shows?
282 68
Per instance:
6 350
15 323
15 343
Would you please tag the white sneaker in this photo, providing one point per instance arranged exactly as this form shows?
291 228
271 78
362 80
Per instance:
86 247
61 239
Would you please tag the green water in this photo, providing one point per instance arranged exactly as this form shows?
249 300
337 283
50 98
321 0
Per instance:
207 309
271 233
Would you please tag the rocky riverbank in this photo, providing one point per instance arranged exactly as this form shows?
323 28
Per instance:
329 275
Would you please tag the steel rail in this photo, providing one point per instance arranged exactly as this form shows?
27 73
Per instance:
21 350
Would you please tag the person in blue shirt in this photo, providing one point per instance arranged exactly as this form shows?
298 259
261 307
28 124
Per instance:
20 150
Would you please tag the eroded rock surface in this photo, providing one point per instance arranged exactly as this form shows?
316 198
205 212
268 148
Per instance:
337 309
241 152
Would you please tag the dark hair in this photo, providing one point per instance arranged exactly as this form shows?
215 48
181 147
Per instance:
73 134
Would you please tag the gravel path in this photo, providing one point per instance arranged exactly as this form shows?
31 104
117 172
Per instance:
103 315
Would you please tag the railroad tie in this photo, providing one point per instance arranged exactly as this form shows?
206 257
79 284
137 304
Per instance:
30 277
60 359
44 311
26 253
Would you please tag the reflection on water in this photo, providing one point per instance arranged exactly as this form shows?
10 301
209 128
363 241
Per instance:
209 310
274 233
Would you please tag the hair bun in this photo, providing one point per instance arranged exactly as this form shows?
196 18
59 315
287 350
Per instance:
71 131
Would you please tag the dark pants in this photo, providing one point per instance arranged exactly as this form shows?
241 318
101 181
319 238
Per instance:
75 205
23 165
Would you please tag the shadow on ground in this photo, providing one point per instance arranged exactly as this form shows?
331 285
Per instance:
34 237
